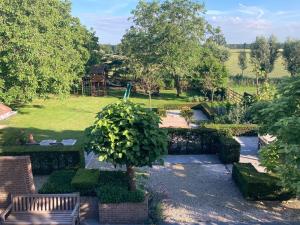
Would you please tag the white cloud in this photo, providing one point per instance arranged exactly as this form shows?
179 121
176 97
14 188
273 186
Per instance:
251 10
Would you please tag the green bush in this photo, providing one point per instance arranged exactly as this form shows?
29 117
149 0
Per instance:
258 186
46 159
85 181
229 149
59 182
235 129
179 106
113 188
119 194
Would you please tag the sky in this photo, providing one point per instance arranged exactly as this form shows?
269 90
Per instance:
240 20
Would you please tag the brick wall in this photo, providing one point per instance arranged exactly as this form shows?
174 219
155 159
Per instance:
15 178
124 213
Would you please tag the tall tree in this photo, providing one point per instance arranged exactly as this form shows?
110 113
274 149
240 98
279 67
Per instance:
243 64
168 34
291 54
264 53
42 48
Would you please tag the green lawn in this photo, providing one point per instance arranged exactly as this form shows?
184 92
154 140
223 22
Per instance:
243 88
234 69
67 118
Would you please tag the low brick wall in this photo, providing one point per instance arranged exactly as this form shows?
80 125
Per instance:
88 208
124 213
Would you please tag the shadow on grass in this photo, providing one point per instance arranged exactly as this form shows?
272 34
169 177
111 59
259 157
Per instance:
11 136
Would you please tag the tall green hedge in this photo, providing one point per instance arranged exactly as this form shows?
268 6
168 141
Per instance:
46 159
235 129
184 141
258 186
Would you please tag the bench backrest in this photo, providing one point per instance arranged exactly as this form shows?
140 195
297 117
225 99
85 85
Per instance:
37 202
15 177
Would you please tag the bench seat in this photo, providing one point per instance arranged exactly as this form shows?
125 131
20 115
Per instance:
36 218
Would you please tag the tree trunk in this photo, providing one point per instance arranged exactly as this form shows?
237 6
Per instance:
177 85
212 95
150 100
131 176
257 84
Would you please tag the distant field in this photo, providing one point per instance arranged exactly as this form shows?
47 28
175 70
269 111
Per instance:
233 67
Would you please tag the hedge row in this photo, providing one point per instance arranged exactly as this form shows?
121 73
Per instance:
179 106
208 111
235 129
258 186
203 141
46 159
108 186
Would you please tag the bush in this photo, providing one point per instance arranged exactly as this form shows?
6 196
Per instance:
203 141
46 159
59 182
117 194
258 186
85 181
229 150
113 188
179 106
235 129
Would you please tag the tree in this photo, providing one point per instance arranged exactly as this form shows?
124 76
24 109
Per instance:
42 48
281 118
127 134
264 53
243 61
210 74
291 54
168 34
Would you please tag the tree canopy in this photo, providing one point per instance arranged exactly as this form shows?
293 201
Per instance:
291 54
42 49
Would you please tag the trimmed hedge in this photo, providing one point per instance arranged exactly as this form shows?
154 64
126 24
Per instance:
85 181
179 106
184 141
59 182
113 188
229 150
46 159
235 129
258 186
208 111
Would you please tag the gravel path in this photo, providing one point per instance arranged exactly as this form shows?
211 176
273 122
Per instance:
195 193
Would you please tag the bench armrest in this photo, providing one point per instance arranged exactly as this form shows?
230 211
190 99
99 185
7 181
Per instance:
5 213
75 213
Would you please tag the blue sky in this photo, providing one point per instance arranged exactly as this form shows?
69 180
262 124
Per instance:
240 20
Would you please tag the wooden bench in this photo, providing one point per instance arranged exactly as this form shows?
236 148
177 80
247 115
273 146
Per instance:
37 209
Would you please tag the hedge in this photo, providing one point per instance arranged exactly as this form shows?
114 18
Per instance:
46 159
235 129
208 111
258 186
184 141
113 188
179 106
59 182
229 150
85 181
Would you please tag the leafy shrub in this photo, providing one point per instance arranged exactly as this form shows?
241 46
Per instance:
46 159
197 99
235 129
179 106
85 181
229 151
113 188
59 182
118 194
258 186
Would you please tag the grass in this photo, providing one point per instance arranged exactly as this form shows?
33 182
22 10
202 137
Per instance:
234 69
67 118
243 88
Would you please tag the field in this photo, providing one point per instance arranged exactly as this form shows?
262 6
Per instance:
67 118
234 69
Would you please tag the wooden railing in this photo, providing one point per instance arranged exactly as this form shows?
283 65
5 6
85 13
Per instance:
234 96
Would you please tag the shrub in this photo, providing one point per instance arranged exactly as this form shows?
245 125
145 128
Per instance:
85 181
179 106
113 188
235 129
187 113
117 194
229 150
258 186
59 182
46 159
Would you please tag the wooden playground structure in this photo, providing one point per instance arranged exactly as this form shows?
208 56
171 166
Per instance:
95 84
